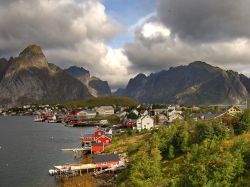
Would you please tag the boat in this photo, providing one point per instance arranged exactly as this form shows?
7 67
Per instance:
38 119
52 119
52 172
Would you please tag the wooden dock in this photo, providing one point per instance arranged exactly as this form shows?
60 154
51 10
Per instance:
75 167
77 149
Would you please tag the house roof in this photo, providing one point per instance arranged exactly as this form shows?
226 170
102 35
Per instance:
106 107
210 116
107 135
106 158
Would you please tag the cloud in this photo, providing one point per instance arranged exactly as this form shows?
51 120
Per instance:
70 33
206 20
184 31
155 48
104 62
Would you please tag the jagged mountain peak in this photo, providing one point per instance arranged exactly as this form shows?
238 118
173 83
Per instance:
31 50
29 78
96 86
77 71
196 83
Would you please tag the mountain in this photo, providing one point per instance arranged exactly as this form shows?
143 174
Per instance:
196 83
29 77
96 86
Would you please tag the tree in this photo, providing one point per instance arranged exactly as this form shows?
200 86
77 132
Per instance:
244 125
209 164
171 152
145 169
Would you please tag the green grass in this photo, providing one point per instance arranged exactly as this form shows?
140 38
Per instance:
103 101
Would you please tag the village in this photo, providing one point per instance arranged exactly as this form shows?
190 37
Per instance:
139 117
110 122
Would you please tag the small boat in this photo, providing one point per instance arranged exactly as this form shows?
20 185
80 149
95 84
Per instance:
38 119
52 172
52 119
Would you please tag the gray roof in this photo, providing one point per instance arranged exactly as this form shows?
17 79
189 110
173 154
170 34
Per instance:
210 116
106 158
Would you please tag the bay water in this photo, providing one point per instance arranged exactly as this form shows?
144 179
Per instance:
28 150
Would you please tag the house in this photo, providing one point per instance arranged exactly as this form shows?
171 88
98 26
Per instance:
144 122
98 133
233 110
135 112
105 139
97 147
99 136
159 111
106 161
198 116
175 116
162 118
105 110
130 123
211 116
144 112
171 112
121 114
86 114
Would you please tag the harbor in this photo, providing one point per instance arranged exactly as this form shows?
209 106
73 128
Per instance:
93 145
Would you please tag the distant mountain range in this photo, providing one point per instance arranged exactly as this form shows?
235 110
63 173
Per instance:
29 77
95 86
196 83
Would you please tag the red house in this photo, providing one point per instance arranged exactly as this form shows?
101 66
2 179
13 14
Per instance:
105 139
98 133
97 147
106 161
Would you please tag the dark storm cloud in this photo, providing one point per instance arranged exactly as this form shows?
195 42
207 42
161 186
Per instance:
206 20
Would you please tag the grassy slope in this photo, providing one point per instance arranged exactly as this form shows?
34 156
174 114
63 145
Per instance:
99 101
104 101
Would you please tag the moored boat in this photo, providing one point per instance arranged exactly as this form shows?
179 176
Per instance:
38 119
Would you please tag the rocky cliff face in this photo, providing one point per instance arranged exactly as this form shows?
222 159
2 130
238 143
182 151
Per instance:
96 86
29 77
197 83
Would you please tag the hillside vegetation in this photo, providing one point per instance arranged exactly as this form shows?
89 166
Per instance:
203 153
104 101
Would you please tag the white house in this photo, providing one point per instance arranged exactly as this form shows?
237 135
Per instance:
175 116
105 110
86 114
144 122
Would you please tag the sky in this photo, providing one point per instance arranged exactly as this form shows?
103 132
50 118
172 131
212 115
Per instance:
117 39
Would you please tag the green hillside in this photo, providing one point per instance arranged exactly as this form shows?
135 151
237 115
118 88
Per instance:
104 101
203 153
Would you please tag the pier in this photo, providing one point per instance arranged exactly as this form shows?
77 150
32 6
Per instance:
71 169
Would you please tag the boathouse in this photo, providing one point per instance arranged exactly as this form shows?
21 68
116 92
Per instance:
106 161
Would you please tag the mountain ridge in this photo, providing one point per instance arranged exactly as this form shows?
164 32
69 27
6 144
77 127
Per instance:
196 83
29 77
96 86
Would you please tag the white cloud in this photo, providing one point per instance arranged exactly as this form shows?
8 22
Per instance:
69 32
155 48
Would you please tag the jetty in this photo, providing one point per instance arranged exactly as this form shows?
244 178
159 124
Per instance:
77 149
69 170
